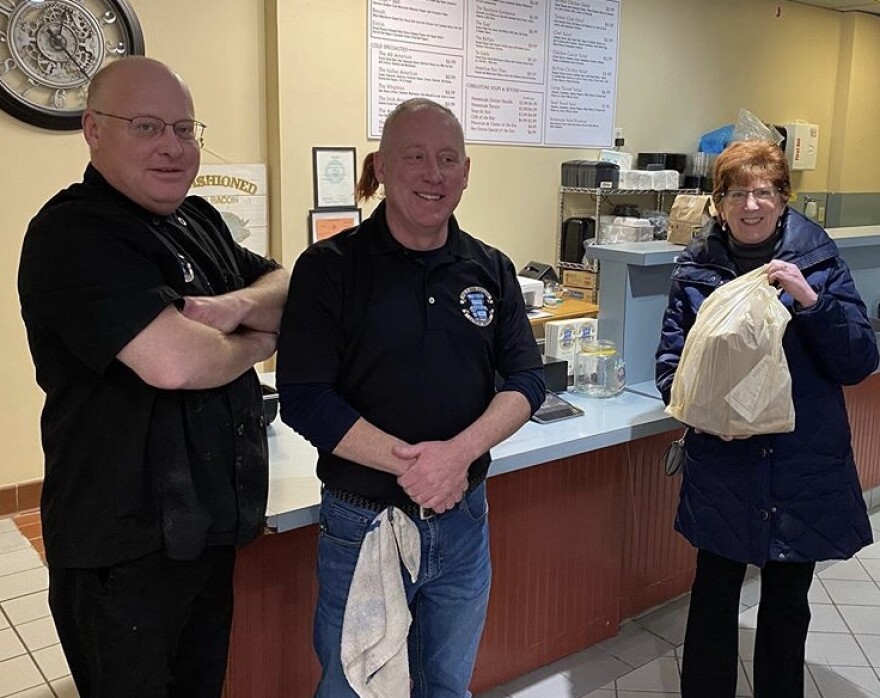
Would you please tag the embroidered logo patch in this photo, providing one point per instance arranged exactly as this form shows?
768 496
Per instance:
477 305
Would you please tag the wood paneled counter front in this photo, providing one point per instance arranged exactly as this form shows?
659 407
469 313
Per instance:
581 518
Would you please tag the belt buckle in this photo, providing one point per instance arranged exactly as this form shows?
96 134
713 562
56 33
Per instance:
426 513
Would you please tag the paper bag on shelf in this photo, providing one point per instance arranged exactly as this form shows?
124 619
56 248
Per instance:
688 215
732 378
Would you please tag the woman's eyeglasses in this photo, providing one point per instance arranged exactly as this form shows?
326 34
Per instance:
739 196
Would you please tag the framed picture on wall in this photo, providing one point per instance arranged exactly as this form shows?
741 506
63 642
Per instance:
333 174
325 223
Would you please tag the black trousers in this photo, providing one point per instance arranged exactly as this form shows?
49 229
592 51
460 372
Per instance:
709 667
146 628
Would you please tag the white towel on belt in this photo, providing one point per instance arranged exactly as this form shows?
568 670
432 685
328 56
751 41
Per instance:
377 618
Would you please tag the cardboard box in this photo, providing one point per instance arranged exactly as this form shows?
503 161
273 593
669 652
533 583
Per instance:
576 278
589 295
687 217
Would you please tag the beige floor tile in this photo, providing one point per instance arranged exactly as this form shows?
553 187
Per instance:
834 649
846 682
13 540
65 688
10 645
52 662
17 674
851 570
43 691
862 620
38 633
27 608
19 561
23 583
660 675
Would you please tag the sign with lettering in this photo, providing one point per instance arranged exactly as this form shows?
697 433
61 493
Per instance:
515 72
240 193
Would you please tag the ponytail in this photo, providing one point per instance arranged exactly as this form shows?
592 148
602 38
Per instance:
368 184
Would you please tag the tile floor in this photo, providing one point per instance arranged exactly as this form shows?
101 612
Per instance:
642 661
32 664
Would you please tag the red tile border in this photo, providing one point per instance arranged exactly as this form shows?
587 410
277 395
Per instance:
29 494
8 500
26 517
20 496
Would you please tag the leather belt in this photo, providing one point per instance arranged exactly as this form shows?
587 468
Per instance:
411 509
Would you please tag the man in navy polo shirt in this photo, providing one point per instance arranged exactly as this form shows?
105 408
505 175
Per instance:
389 346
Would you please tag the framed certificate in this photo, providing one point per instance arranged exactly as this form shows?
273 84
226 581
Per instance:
325 223
333 173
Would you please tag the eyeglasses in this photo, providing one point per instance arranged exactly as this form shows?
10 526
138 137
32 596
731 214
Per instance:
738 196
152 127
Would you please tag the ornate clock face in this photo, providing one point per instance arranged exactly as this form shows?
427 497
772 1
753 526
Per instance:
51 49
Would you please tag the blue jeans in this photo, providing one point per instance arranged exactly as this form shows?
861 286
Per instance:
448 599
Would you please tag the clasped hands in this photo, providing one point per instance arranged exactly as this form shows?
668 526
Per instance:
436 473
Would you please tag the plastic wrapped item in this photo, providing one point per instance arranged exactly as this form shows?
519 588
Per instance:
629 179
664 179
624 229
659 221
732 378
620 158
749 127
642 179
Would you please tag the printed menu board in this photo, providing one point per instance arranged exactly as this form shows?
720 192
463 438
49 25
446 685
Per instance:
517 72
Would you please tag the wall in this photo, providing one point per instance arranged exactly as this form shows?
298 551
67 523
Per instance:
273 78
226 75
682 72
856 148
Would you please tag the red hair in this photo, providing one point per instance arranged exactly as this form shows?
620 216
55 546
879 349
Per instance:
743 161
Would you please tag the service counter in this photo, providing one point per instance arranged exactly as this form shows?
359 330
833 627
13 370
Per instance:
581 512
634 281
582 538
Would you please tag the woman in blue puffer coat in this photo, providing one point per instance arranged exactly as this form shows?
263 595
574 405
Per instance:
778 501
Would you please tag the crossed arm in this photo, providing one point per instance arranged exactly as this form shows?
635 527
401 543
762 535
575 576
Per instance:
213 340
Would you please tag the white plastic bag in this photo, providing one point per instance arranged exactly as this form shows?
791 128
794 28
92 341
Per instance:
732 378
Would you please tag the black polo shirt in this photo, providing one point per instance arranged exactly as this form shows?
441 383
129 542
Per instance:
411 342
131 469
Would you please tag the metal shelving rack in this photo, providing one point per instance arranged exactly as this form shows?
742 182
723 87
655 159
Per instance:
599 195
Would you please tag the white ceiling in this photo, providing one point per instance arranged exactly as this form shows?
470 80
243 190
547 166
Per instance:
873 6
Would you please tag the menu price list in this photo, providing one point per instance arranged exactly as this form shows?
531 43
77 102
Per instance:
525 72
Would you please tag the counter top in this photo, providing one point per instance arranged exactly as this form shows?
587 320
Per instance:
641 254
294 489
659 252
855 236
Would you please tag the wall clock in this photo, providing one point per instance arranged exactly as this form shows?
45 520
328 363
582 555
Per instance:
51 49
